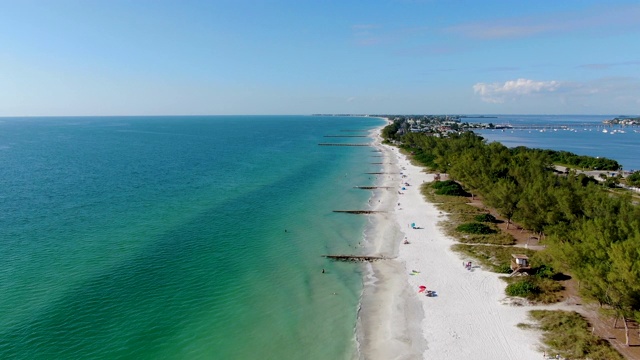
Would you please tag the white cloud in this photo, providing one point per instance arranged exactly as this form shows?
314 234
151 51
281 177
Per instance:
607 95
498 92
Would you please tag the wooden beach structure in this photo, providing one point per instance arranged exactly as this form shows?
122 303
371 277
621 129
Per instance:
346 136
354 257
338 144
364 212
372 187
520 264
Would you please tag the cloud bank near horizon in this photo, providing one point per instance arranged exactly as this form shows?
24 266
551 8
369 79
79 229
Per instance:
497 92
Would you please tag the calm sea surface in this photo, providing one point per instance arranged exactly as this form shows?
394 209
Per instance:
164 237
585 136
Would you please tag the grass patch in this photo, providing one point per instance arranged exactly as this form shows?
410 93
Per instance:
475 228
459 212
495 238
568 334
535 289
523 287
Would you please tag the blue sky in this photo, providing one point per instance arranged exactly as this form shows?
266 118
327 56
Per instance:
300 57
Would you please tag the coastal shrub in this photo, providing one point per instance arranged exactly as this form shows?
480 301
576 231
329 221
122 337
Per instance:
485 218
488 239
573 160
545 272
634 179
441 184
522 288
475 228
569 334
503 269
425 159
449 187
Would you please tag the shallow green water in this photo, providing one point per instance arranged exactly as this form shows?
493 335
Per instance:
163 237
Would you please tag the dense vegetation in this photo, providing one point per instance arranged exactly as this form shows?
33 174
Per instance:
589 233
449 187
389 132
578 161
634 179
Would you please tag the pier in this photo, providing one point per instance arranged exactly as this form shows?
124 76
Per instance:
337 144
365 212
354 257
346 136
372 187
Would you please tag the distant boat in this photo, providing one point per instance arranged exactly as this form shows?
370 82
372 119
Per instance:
604 131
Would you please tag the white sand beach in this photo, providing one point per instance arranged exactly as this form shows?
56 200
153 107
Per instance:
465 320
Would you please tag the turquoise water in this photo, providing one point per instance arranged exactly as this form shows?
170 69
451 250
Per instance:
164 237
586 138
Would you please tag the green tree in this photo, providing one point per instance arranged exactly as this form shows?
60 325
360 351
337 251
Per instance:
634 179
505 196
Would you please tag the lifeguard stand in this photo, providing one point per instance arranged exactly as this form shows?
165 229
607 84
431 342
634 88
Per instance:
519 264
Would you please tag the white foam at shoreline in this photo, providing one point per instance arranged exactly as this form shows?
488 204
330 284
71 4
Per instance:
465 321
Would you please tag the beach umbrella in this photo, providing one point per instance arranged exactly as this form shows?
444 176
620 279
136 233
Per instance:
413 224
422 288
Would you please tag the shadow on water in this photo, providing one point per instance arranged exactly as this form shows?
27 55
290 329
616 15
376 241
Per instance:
134 310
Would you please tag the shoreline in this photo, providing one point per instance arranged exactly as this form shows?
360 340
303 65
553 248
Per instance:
383 331
467 319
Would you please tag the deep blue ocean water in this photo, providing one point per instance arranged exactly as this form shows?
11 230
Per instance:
164 237
587 136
